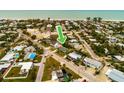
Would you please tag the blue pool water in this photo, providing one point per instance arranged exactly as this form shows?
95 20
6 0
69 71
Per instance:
32 56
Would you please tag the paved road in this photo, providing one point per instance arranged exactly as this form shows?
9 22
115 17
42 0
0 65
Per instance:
80 71
87 47
70 65
94 56
41 67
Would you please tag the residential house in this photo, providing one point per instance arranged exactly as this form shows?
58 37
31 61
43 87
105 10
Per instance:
2 43
115 75
4 66
60 75
118 58
8 57
25 67
18 48
92 63
2 36
63 49
29 49
74 56
54 76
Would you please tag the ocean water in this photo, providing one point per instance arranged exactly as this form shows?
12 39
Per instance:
62 14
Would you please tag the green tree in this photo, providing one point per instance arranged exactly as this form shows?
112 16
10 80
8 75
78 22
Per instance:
33 36
88 18
99 19
95 19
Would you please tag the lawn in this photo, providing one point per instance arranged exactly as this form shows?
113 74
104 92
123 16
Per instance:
14 72
2 53
50 65
31 77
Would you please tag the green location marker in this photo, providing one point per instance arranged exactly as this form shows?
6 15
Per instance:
61 38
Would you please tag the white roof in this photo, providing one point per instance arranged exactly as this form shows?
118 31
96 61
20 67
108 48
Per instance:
19 48
29 48
70 36
92 62
25 65
49 25
4 66
1 35
97 44
54 75
57 45
97 31
74 55
120 58
2 42
115 75
75 44
120 44
73 40
8 56
93 40
110 31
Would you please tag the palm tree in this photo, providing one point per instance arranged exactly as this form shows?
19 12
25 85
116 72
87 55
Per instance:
88 18
95 19
99 19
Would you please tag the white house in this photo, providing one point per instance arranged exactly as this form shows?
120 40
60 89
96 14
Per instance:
2 66
74 55
115 75
2 43
54 76
25 66
18 48
57 45
29 49
112 39
8 57
2 35
73 41
120 44
97 31
92 40
92 63
118 57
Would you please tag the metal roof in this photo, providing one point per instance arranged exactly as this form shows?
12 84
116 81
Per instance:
115 75
92 62
74 55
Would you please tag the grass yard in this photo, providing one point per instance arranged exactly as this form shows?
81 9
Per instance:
14 72
2 53
50 65
31 77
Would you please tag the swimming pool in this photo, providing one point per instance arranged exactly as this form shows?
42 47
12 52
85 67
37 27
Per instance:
32 55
